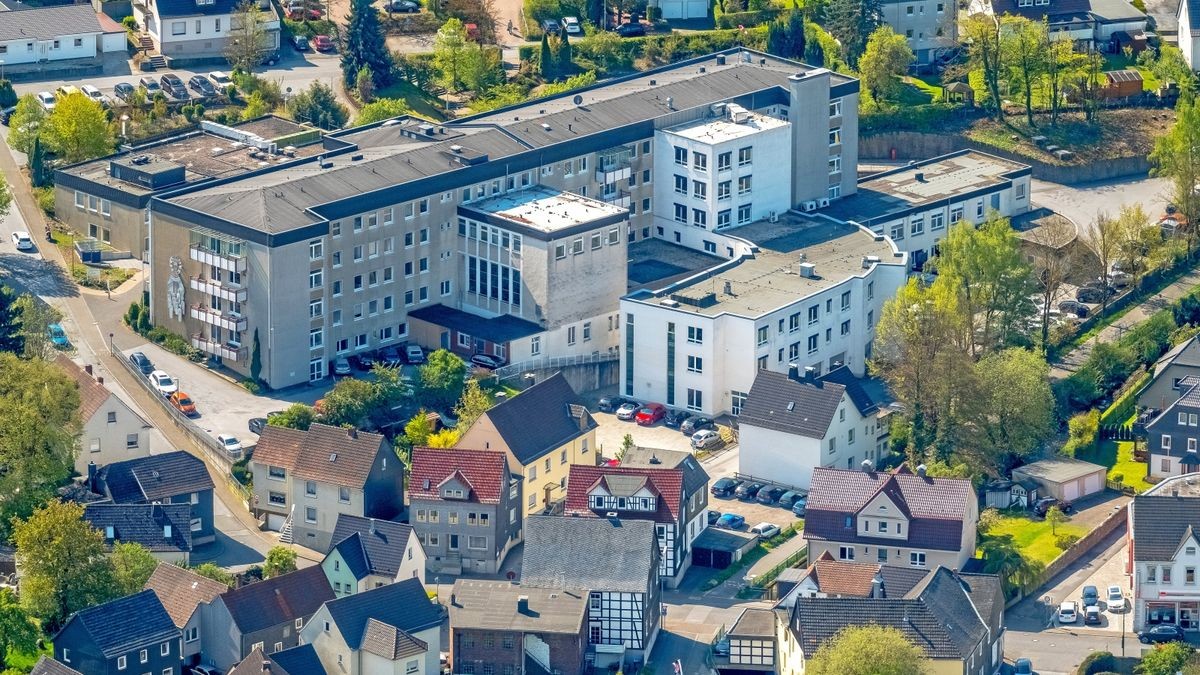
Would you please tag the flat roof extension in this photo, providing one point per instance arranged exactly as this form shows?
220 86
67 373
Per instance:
723 129
545 211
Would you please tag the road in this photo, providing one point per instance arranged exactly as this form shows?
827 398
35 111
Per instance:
1082 203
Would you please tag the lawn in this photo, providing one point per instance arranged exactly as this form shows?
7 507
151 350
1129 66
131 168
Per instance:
1118 457
420 102
23 662
1120 62
1032 537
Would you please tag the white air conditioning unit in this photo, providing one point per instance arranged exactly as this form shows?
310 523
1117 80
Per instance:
774 217
809 206
823 202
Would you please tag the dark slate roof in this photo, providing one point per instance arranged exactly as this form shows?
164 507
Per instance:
378 544
695 478
1160 523
1071 10
390 642
1188 402
555 545
1193 18
155 477
120 626
935 507
144 524
278 600
300 660
947 598
403 605
48 23
541 418
498 329
48 666
987 594
857 388
176 8
781 403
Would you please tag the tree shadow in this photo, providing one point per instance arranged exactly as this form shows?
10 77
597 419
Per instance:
28 274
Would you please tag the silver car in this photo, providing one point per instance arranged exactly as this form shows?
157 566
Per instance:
706 439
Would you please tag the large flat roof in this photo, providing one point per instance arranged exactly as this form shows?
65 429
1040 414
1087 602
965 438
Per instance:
722 129
893 193
546 210
770 277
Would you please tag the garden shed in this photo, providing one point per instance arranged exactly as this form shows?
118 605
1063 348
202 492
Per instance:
1065 478
1122 83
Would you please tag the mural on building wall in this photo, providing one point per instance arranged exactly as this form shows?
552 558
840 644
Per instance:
175 304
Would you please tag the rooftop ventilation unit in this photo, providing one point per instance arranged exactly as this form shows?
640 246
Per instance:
545 126
457 149
808 270
869 260
823 202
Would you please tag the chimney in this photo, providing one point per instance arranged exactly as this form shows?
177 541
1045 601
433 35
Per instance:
372 530
921 470
87 368
352 432
93 470
810 374
1174 492
100 380
877 589
867 467
728 288
920 176
266 668
793 372
670 103
523 604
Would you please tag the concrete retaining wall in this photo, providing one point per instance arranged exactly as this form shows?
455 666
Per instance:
583 377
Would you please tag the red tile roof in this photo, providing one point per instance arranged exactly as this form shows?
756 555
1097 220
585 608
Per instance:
92 394
323 453
667 482
485 471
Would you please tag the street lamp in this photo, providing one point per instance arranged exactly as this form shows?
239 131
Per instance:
110 344
124 121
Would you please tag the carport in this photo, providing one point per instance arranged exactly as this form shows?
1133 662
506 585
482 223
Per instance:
720 548
1065 478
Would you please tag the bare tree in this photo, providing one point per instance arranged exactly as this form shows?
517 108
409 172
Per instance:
1053 261
246 43
1104 238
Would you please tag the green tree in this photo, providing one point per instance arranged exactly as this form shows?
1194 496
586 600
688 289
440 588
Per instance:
255 357
481 68
546 63
295 416
280 560
318 106
418 429
8 97
1023 49
1002 557
884 61
602 46
1061 62
365 46
256 106
18 632
347 403
36 317
246 43
1170 66
64 567
38 175
1011 411
381 109
867 650
1055 517
25 123
852 22
566 61
364 83
1165 659
627 444
472 405
210 570
785 36
1176 157
1104 240
446 438
449 53
39 405
132 566
981 34
442 379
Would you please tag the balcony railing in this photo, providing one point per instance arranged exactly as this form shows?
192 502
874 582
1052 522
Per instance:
618 198
224 262
229 352
212 317
225 291
613 173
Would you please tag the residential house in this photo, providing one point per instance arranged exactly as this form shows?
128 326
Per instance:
1172 434
896 518
655 493
542 431
793 423
171 478
513 628
299 660
391 629
828 577
268 614
303 480
130 634
50 35
695 483
370 553
162 528
182 592
1064 478
930 28
1188 13
1090 24
112 431
1164 557
751 643
956 619
1166 385
465 506
196 32
623 589
48 666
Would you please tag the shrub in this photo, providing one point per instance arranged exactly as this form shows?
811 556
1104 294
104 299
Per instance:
130 24
251 386
1117 477
45 199
988 519
1095 663
1065 541
1084 429
176 344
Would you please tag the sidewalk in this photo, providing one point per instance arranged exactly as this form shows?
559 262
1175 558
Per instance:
776 556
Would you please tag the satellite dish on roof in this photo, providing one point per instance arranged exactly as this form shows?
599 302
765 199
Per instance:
578 100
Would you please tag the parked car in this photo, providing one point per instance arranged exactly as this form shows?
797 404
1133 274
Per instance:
405 6
341 366
124 91
1043 505
183 403
141 362
202 86
220 79
550 27
770 495
713 517
571 25
96 95
1023 666
312 14
163 383
414 354
706 439
675 418
58 336
257 424
1094 293
1068 612
765 530
800 506
731 521
150 84
609 404
627 410
1090 596
322 43
6 113
487 361
205 670
22 240
363 361
1164 632
694 424
47 100
1091 615
724 487
650 413
1115 279
174 87
390 357
231 444
631 30
1074 307
1115 599
747 491
300 43
66 90
787 499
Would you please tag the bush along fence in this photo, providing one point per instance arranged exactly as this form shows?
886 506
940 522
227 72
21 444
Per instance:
1117 432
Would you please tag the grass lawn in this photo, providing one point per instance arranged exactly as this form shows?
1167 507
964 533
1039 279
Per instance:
421 102
1033 537
24 662
1119 62
1118 457
917 91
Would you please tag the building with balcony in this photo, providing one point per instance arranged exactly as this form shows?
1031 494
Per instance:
929 26
1090 24
375 236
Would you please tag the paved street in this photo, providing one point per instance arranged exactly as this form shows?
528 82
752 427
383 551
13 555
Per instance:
1081 203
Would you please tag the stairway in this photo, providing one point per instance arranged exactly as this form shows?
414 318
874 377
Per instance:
158 61
145 42
285 532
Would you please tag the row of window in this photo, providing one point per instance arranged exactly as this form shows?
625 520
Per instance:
915 558
793 321
29 45
452 517
493 280
700 217
1166 443
916 225
92 203
1157 573
164 649
434 539
594 241
724 159
489 234
724 188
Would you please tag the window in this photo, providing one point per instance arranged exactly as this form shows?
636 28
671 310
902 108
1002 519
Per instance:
587 331
310 488
316 338
917 226
315 249
846 553
143 656
744 214
695 364
121 661
724 218
344 495
956 214
724 161
762 336
1166 574
1166 442
695 400
695 335
846 300
744 184
835 136
681 184
745 156
937 221
699 161
812 344
178 27
315 279
835 107
681 155
477 543
699 218
164 649
699 190
315 308
835 165
916 558
680 213
1189 575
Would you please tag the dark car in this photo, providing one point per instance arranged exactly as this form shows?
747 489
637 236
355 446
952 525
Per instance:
300 43
124 91
364 361
487 361
676 418
713 517
609 404
747 491
404 6
1023 666
1161 633
770 495
173 85
631 30
725 487
1091 615
1090 596
257 423
694 424
1074 307
141 362
7 113
1043 505
1094 293
202 85
787 499
551 27
800 506
390 357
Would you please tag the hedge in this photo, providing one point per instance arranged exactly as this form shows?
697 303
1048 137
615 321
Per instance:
910 118
747 19
674 46
1095 663
1122 408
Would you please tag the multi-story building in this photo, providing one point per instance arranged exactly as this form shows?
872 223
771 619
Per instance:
799 289
930 26
112 431
161 528
193 32
1170 373
368 553
1174 435
182 593
914 205
1092 24
1164 558
170 478
465 507
130 634
369 232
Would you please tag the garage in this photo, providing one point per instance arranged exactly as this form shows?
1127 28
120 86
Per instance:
718 548
684 9
1064 478
275 521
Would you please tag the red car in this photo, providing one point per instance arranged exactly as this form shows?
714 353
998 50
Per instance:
650 413
298 14
322 43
